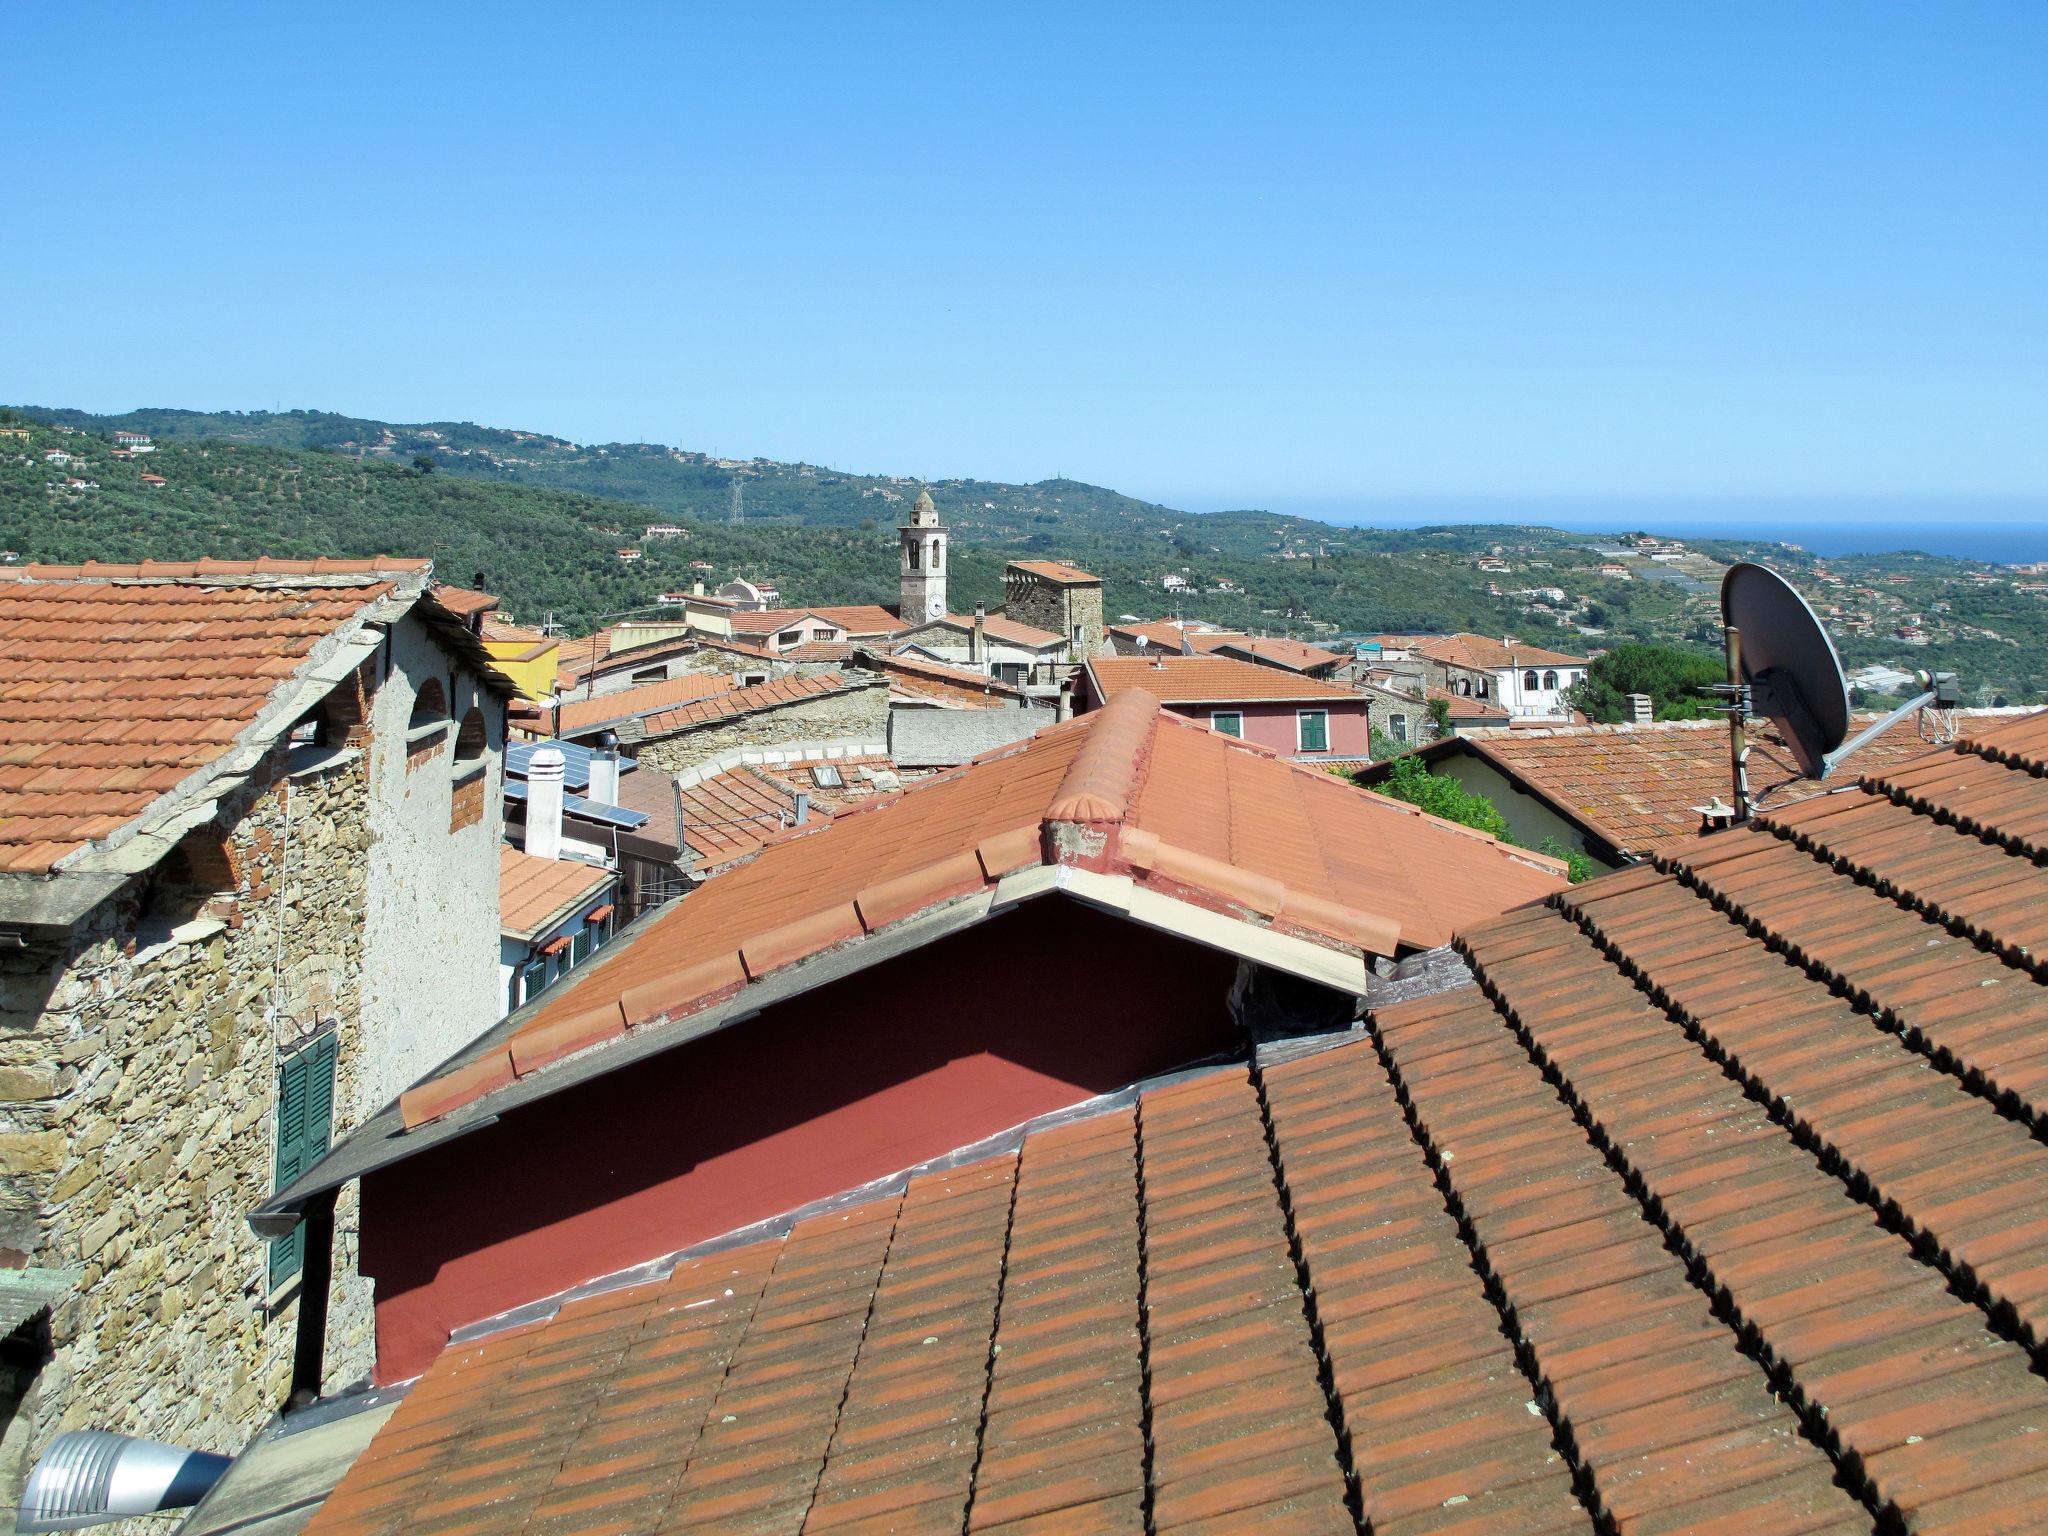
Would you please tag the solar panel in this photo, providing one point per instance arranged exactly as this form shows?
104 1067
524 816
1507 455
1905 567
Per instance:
575 761
586 810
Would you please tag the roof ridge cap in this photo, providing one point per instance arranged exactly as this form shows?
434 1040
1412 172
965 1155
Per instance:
1105 773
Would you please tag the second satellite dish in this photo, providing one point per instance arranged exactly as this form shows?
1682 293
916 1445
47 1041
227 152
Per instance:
1790 664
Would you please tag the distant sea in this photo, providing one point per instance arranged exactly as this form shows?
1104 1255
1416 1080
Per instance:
2006 532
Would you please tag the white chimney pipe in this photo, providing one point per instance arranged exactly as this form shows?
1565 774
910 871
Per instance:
604 771
544 803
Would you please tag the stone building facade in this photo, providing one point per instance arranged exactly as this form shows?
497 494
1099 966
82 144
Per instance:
1049 595
859 712
257 963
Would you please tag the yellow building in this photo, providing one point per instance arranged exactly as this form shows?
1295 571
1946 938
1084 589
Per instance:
527 656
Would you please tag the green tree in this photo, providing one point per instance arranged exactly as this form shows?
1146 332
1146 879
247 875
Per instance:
1440 717
1671 675
1410 780
423 462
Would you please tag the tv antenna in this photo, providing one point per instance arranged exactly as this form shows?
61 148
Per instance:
1782 666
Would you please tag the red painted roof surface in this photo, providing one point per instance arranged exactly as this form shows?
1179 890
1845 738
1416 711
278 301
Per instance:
1175 806
1716 1206
116 690
1637 786
1210 680
747 701
1054 570
647 699
594 652
535 893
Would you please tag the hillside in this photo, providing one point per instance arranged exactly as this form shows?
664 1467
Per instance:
541 519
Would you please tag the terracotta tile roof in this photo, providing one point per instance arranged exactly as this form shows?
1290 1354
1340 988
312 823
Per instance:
1104 1330
1054 570
1464 707
727 816
1208 680
859 620
1166 634
594 653
534 894
935 679
1717 1205
1010 631
463 602
748 701
818 650
118 689
1481 653
583 715
1294 655
1635 787
1129 791
215 570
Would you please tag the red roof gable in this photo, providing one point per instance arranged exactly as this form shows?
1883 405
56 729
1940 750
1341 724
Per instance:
1129 791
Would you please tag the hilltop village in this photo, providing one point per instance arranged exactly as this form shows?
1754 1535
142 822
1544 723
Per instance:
891 1066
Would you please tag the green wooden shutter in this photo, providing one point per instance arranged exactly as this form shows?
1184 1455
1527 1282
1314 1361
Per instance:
1315 731
305 1122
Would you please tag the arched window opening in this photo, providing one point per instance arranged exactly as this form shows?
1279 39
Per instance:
936 555
429 705
913 556
1529 680
1550 679
1464 688
471 740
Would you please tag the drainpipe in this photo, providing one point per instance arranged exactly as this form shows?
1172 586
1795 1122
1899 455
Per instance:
309 1347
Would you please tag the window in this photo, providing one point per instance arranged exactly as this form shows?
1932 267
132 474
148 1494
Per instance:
829 634
753 679
790 637
937 554
533 980
305 1122
471 740
826 776
1481 688
650 675
1077 634
1397 727
913 555
1463 687
584 942
429 705
1227 723
1312 729
1550 679
1529 682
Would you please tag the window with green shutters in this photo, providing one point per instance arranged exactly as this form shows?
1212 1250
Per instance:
1315 730
305 1123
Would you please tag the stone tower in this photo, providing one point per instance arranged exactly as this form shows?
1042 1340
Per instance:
923 577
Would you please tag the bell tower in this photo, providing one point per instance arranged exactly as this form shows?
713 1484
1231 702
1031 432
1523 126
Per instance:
923 559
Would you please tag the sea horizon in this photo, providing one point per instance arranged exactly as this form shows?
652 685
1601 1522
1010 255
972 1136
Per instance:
1997 531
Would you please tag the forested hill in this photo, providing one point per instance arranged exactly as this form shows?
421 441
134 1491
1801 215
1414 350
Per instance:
541 521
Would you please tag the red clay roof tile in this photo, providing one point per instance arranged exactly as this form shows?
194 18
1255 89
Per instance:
1209 680
1220 824
144 674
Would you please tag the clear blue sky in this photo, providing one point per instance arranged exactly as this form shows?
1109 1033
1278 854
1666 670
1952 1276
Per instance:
1215 256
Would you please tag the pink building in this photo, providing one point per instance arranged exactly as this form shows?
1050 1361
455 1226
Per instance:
1295 716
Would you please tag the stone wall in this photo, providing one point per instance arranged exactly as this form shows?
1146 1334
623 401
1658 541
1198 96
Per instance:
923 737
1061 607
858 713
138 1064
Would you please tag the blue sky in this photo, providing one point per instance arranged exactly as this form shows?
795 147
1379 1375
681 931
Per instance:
1241 255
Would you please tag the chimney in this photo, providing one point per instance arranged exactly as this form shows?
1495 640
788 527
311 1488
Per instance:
979 645
1641 708
544 803
696 589
604 771
801 814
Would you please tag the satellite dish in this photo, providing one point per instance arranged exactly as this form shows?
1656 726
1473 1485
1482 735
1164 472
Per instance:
1794 676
